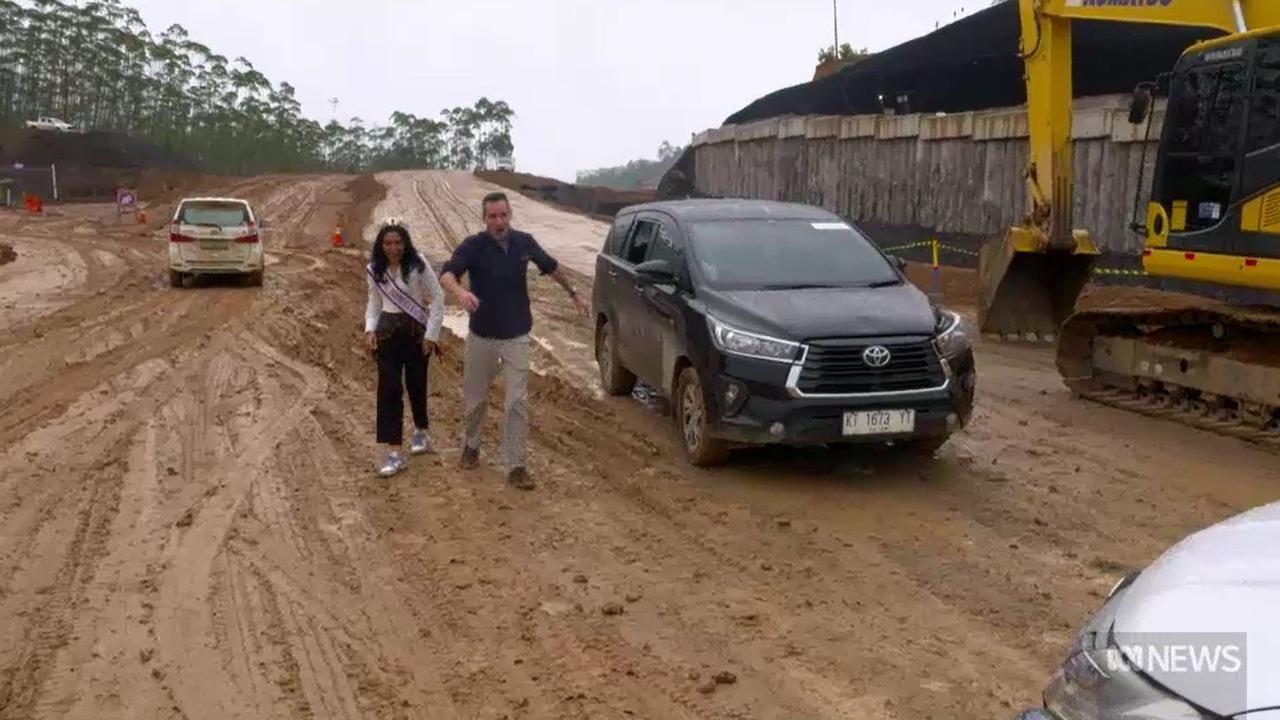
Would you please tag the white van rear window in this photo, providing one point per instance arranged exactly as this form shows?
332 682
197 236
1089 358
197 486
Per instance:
211 213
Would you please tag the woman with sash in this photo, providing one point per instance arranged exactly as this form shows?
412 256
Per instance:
402 326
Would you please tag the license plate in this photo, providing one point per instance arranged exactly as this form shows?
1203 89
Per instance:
214 246
879 422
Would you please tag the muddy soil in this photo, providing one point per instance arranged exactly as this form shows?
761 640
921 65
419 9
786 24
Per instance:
192 527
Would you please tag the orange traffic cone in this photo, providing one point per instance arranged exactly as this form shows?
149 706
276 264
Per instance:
142 217
337 237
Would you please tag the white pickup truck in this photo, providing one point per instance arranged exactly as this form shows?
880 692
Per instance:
50 123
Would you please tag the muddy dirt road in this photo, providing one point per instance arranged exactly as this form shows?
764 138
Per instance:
190 528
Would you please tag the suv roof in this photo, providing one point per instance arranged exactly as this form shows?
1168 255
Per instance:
242 201
737 209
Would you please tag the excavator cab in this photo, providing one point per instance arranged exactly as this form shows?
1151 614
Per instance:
1214 214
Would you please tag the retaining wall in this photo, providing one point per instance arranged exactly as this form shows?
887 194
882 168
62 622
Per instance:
959 176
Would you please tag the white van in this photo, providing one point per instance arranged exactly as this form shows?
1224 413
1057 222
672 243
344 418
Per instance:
215 236
51 124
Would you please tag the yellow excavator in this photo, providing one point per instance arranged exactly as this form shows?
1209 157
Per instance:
1213 215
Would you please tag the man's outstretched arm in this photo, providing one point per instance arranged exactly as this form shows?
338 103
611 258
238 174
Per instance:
550 266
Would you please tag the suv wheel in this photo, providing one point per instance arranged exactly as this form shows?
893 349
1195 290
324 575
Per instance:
175 278
616 379
694 422
254 279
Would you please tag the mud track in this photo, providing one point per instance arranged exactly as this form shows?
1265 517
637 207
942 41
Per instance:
191 528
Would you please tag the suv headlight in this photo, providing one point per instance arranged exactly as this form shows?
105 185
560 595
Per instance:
1097 682
731 340
952 336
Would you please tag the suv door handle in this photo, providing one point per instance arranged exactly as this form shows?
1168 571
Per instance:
613 273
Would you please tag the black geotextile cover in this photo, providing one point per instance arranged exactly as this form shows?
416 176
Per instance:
975 64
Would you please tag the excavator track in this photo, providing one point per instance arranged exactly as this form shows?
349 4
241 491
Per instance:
1217 369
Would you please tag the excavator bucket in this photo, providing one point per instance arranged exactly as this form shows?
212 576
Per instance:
1028 289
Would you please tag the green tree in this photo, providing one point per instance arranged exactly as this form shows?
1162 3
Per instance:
95 64
636 174
847 54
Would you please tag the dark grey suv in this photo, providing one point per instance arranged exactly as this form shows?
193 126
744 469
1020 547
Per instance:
769 322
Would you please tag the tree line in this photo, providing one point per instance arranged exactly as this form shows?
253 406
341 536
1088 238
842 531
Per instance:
635 175
95 64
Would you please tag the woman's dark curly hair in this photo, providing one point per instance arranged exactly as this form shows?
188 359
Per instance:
408 263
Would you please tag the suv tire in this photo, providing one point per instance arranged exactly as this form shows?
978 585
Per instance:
254 279
176 278
694 422
616 379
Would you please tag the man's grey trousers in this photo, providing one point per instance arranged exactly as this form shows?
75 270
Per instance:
484 357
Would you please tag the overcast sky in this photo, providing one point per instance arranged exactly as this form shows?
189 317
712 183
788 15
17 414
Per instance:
592 82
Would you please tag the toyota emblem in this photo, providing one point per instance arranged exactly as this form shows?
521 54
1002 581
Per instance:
876 356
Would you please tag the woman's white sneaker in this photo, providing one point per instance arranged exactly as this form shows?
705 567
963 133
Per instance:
419 443
394 463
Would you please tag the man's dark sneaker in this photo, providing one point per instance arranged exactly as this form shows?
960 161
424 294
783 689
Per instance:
519 478
470 458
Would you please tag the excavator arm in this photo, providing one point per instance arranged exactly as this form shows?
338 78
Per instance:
1031 278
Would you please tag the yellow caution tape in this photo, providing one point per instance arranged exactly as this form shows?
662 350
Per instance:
908 246
937 246
960 250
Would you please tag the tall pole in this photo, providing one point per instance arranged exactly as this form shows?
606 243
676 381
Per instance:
328 155
835 20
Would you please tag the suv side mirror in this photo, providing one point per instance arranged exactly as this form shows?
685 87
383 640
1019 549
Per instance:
1140 104
655 272
264 224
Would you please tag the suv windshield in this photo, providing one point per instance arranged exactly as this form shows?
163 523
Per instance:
220 214
762 254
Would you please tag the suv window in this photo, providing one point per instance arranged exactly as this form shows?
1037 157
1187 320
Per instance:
618 235
767 254
642 235
211 213
663 248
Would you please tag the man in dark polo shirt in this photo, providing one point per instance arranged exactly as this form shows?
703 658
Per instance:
501 320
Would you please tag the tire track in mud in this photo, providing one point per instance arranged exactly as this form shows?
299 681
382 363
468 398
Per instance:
36 666
37 404
69 537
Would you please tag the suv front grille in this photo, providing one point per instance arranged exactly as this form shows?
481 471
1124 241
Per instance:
836 367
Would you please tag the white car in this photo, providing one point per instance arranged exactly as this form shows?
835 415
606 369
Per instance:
1194 636
506 164
215 236
50 123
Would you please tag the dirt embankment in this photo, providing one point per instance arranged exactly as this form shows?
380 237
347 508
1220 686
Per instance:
90 165
960 290
600 203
